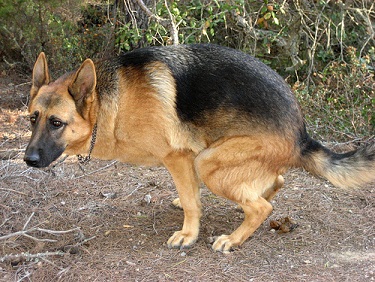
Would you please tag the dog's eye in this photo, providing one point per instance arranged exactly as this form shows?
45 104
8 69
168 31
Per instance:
32 120
56 123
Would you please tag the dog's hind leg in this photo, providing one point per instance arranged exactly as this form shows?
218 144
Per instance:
268 194
246 171
181 166
177 203
271 192
255 213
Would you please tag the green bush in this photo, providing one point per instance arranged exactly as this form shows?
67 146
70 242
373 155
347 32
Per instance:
341 103
198 21
43 25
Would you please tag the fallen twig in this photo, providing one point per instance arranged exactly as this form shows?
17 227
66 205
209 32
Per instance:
38 239
14 191
97 170
5 221
81 243
24 233
28 221
28 256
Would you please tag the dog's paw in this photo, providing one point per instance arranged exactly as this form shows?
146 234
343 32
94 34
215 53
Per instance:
224 244
181 240
176 203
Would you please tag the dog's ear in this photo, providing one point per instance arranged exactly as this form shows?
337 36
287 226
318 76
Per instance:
40 74
82 87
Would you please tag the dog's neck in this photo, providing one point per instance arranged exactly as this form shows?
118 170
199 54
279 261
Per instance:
84 160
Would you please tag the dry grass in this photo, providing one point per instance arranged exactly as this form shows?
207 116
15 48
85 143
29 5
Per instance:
118 218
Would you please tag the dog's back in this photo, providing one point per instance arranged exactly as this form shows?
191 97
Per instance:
221 89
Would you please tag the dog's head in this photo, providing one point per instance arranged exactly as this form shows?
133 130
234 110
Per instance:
60 112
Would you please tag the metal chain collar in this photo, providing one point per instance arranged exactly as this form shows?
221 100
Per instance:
84 160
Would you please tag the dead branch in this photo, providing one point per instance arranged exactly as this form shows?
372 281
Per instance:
25 233
173 27
79 244
5 221
39 240
28 256
148 12
13 191
28 221
97 170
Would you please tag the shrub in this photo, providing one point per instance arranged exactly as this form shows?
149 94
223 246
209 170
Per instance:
342 101
44 25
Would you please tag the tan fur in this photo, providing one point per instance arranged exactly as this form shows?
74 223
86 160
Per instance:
40 75
255 213
181 166
138 123
138 140
348 173
244 170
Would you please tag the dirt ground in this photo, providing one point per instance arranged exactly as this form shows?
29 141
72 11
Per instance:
109 221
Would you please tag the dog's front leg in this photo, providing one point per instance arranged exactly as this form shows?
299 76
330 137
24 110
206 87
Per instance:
181 166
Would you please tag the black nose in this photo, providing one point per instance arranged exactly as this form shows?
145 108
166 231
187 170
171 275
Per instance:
32 159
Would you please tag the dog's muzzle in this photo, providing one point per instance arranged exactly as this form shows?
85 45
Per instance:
32 158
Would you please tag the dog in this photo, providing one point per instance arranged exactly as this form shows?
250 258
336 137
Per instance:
209 114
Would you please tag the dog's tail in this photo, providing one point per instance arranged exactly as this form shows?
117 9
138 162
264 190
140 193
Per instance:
351 169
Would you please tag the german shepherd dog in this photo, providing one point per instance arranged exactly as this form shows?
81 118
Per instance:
207 113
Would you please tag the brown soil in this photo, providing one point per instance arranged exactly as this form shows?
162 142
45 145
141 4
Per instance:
115 220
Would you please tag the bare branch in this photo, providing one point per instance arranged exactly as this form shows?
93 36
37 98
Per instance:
171 21
57 232
97 170
174 30
28 221
148 12
25 233
28 256
38 239
13 191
